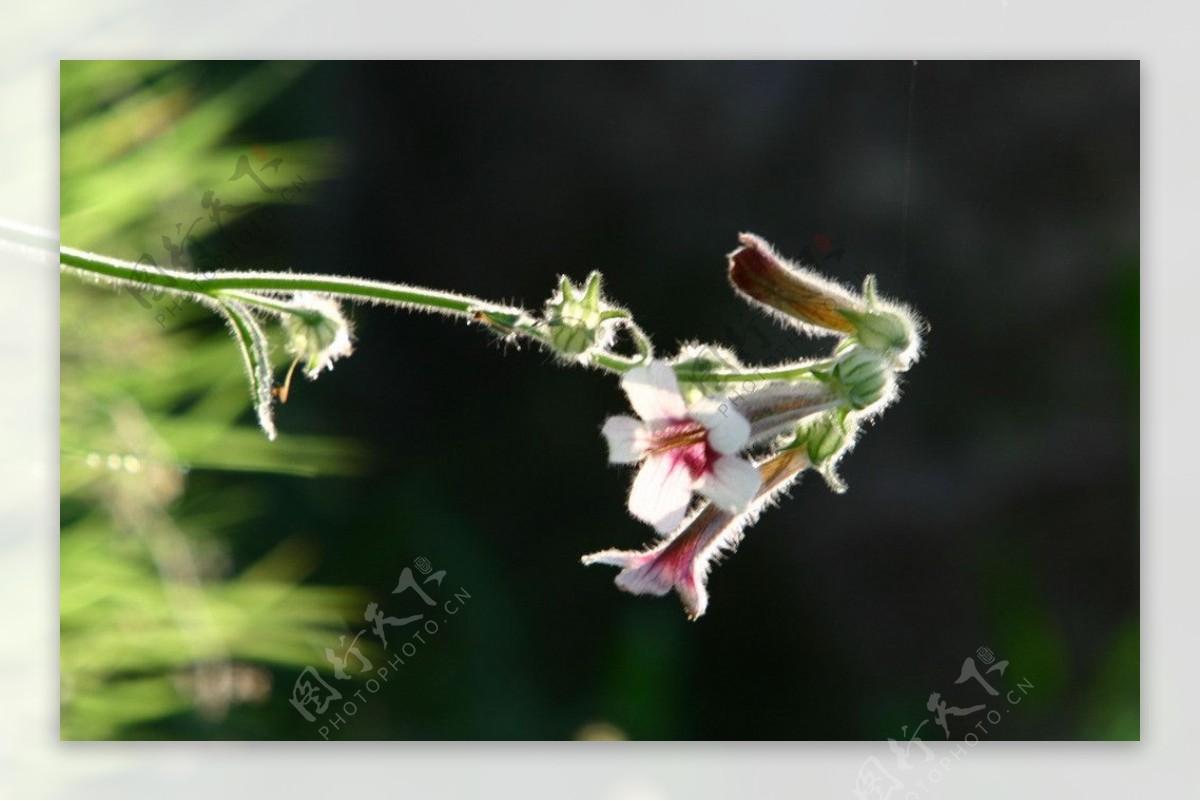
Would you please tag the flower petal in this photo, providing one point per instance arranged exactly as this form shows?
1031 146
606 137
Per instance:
680 563
661 493
654 393
666 567
638 579
731 484
626 439
728 429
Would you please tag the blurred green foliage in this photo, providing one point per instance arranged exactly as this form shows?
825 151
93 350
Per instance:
156 624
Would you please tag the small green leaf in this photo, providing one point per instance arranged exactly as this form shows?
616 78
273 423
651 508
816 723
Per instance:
256 359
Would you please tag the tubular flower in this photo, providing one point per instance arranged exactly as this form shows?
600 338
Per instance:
683 448
818 306
682 562
804 299
777 409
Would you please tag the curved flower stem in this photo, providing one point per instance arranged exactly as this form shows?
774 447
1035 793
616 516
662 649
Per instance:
614 362
262 290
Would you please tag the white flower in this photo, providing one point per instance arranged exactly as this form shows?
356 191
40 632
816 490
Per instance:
684 448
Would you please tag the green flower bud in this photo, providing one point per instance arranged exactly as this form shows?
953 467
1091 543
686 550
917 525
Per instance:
577 318
864 377
879 330
571 339
824 437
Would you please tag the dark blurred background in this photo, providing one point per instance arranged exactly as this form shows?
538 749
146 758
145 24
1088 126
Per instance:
995 506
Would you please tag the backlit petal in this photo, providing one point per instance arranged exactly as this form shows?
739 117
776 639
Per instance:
626 439
731 484
728 429
661 493
679 563
654 392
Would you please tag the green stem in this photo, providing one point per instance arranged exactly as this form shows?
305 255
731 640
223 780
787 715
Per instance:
246 287
337 286
615 362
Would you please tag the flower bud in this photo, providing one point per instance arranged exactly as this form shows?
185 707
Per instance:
824 437
317 332
700 366
698 359
880 330
759 273
863 376
575 318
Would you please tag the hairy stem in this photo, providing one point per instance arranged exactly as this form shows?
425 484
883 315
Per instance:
357 289
263 290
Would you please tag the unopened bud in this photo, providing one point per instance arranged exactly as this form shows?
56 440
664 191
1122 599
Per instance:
863 376
880 330
576 318
317 332
824 437
758 272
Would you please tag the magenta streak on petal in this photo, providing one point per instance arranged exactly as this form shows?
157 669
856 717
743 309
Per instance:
682 562
676 564
698 459
684 442
677 559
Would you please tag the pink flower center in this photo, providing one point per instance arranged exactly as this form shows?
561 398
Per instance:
684 441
